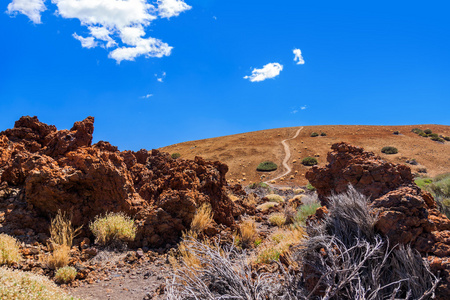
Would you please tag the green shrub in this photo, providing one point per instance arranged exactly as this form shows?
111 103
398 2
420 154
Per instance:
417 130
423 134
433 135
428 131
267 166
389 150
176 155
396 132
437 139
305 211
310 187
323 134
309 161
447 138
113 228
255 185
65 274
314 134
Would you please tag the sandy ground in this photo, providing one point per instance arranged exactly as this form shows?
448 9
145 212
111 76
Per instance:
243 152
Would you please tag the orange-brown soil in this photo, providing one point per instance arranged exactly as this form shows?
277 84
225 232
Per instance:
243 152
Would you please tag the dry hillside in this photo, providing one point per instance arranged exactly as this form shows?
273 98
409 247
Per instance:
243 152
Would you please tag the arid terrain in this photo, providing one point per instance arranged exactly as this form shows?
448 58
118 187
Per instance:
243 152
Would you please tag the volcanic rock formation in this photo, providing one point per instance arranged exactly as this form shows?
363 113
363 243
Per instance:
406 214
44 170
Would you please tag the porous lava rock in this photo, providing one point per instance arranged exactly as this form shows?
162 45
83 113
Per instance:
44 170
406 214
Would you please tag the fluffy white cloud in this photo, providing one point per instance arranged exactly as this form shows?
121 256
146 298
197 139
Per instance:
298 57
147 96
88 42
171 8
31 8
268 71
118 25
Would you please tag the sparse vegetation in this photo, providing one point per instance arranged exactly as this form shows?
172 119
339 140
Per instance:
314 134
275 198
266 206
309 161
417 130
277 219
19 285
428 131
59 258
267 166
299 191
255 185
447 138
176 155
203 218
62 231
439 187
323 134
396 132
306 210
247 233
113 228
437 139
389 150
9 250
310 187
65 274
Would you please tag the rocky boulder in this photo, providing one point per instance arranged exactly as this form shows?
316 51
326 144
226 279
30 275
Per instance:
60 170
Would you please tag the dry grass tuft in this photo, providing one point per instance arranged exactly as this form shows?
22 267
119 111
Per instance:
247 233
277 219
299 191
19 285
266 206
61 230
279 243
113 228
275 198
59 258
65 274
9 250
203 218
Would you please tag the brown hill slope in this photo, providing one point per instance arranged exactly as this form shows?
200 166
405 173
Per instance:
243 152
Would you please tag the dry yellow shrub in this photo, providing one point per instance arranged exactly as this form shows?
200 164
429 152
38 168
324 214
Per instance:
59 258
275 198
203 218
9 250
113 227
247 232
277 219
266 206
61 230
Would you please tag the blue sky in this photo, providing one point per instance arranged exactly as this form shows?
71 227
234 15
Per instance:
365 62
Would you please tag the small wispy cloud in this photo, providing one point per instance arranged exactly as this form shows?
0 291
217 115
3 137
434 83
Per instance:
270 70
146 96
294 111
298 57
160 78
214 17
303 107
88 42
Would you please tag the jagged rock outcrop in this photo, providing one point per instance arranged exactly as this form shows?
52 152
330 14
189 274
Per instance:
53 170
406 214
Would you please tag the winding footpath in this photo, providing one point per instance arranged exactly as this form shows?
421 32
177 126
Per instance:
287 150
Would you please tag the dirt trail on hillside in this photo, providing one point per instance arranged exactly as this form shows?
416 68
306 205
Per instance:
287 150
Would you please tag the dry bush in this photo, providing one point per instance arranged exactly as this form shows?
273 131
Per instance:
113 228
348 260
299 191
19 285
225 274
65 274
247 233
9 250
59 258
266 206
203 218
279 243
277 219
275 198
61 230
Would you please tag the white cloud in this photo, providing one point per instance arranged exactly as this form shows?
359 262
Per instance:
161 78
303 107
294 111
117 25
146 96
88 42
268 71
298 57
31 8
171 8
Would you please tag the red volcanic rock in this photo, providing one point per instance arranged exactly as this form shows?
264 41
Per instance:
61 170
406 215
